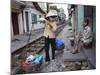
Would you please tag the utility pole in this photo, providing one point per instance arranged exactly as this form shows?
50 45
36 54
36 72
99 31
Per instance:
47 7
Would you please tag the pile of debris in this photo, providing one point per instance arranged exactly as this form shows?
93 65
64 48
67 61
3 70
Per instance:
76 65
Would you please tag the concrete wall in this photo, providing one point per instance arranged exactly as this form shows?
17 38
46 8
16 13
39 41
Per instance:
20 23
76 20
73 21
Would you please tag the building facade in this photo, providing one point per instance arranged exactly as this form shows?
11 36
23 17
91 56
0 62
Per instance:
80 12
24 15
77 14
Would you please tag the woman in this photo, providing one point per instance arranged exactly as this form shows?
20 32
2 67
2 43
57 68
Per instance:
85 38
50 27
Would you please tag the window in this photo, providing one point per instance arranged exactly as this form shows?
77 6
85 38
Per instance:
39 16
34 18
27 21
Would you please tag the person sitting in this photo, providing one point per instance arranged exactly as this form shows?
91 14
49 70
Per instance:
85 38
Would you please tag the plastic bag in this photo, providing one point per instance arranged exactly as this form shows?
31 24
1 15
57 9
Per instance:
59 44
38 59
30 59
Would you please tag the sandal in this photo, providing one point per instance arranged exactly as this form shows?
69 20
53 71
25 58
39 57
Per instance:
74 52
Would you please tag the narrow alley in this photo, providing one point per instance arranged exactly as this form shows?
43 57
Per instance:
29 23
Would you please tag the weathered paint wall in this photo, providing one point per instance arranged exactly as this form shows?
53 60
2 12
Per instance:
80 17
90 13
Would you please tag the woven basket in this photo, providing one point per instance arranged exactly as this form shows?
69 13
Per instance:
29 67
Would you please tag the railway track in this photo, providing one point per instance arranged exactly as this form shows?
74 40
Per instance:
37 45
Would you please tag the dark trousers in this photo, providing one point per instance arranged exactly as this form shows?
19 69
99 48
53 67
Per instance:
72 42
49 41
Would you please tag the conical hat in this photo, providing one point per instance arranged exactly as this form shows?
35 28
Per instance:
51 13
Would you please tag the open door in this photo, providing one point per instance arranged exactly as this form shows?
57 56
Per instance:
14 17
